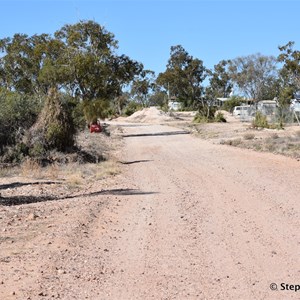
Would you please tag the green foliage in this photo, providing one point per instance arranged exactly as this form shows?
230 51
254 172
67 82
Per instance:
17 114
37 150
21 62
90 67
164 107
230 104
14 153
158 98
76 111
260 121
142 87
131 108
80 59
220 81
183 77
220 117
254 74
199 118
285 96
55 135
207 114
291 60
95 109
81 62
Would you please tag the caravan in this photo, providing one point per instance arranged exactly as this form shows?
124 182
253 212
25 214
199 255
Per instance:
267 107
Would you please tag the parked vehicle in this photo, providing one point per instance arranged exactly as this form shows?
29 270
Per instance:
241 110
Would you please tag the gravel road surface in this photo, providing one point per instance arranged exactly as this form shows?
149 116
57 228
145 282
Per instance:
186 219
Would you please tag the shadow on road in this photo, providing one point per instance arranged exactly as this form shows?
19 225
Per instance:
156 134
19 200
134 161
14 185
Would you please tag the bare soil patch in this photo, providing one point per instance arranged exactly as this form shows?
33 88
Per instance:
284 142
242 134
148 115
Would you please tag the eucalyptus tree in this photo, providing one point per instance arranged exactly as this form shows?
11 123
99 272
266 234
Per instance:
142 87
255 75
220 83
183 77
80 59
291 65
159 97
22 58
91 67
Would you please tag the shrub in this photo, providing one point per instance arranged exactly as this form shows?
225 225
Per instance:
205 114
260 121
131 108
199 118
236 142
17 114
37 150
164 107
54 128
230 104
208 115
13 154
220 118
76 109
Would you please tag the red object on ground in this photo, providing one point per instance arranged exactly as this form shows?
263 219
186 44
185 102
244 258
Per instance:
95 128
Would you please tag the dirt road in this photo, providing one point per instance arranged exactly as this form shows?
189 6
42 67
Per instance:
186 220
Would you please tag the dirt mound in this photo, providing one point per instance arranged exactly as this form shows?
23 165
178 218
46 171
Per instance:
150 115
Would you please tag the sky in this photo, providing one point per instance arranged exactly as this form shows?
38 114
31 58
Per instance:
146 29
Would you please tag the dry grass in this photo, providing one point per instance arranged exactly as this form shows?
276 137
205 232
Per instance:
249 136
243 135
74 173
8 172
52 172
285 145
32 169
81 174
234 142
108 168
74 179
